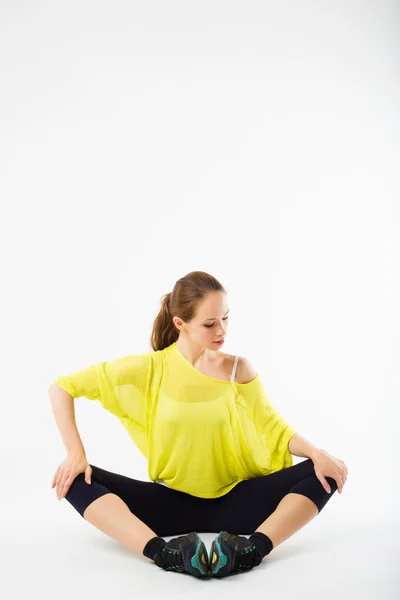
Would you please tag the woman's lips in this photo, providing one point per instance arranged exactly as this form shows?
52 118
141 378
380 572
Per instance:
219 342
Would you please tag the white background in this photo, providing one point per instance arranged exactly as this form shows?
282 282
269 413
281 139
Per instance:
257 141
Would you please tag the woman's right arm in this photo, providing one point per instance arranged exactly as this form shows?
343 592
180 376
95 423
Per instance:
75 462
64 413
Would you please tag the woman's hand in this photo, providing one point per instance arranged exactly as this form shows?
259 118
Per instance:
326 465
68 470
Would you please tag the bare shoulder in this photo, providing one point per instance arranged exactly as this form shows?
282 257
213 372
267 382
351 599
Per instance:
245 371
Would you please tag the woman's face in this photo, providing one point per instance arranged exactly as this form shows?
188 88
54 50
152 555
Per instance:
211 321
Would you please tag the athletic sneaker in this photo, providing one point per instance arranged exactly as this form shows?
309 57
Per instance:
184 554
232 553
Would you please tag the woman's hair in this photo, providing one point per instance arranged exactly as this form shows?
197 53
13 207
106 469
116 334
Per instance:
182 302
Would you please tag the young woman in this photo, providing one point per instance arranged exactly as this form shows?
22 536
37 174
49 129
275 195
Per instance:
219 453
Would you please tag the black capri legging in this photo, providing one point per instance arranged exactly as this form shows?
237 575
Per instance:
169 512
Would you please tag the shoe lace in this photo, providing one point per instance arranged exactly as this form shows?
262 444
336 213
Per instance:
168 558
248 558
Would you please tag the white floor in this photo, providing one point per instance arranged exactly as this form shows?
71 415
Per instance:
350 550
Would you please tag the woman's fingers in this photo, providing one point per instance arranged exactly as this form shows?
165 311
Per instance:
53 483
343 478
59 483
64 487
71 466
342 482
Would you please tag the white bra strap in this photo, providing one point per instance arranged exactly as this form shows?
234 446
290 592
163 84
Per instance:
234 368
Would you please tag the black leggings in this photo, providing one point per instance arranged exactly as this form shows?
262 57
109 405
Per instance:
169 512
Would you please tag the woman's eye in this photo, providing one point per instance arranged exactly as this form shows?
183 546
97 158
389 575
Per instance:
208 326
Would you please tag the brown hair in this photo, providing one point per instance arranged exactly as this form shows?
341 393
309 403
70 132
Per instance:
182 302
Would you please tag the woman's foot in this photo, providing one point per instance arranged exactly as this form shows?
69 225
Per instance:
232 553
184 554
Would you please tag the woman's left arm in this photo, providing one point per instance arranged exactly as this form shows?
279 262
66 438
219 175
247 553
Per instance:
325 465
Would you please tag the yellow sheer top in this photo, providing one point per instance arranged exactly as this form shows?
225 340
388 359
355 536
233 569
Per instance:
200 435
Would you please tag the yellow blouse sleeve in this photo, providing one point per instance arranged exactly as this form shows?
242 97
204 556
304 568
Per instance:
273 431
120 385
81 383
